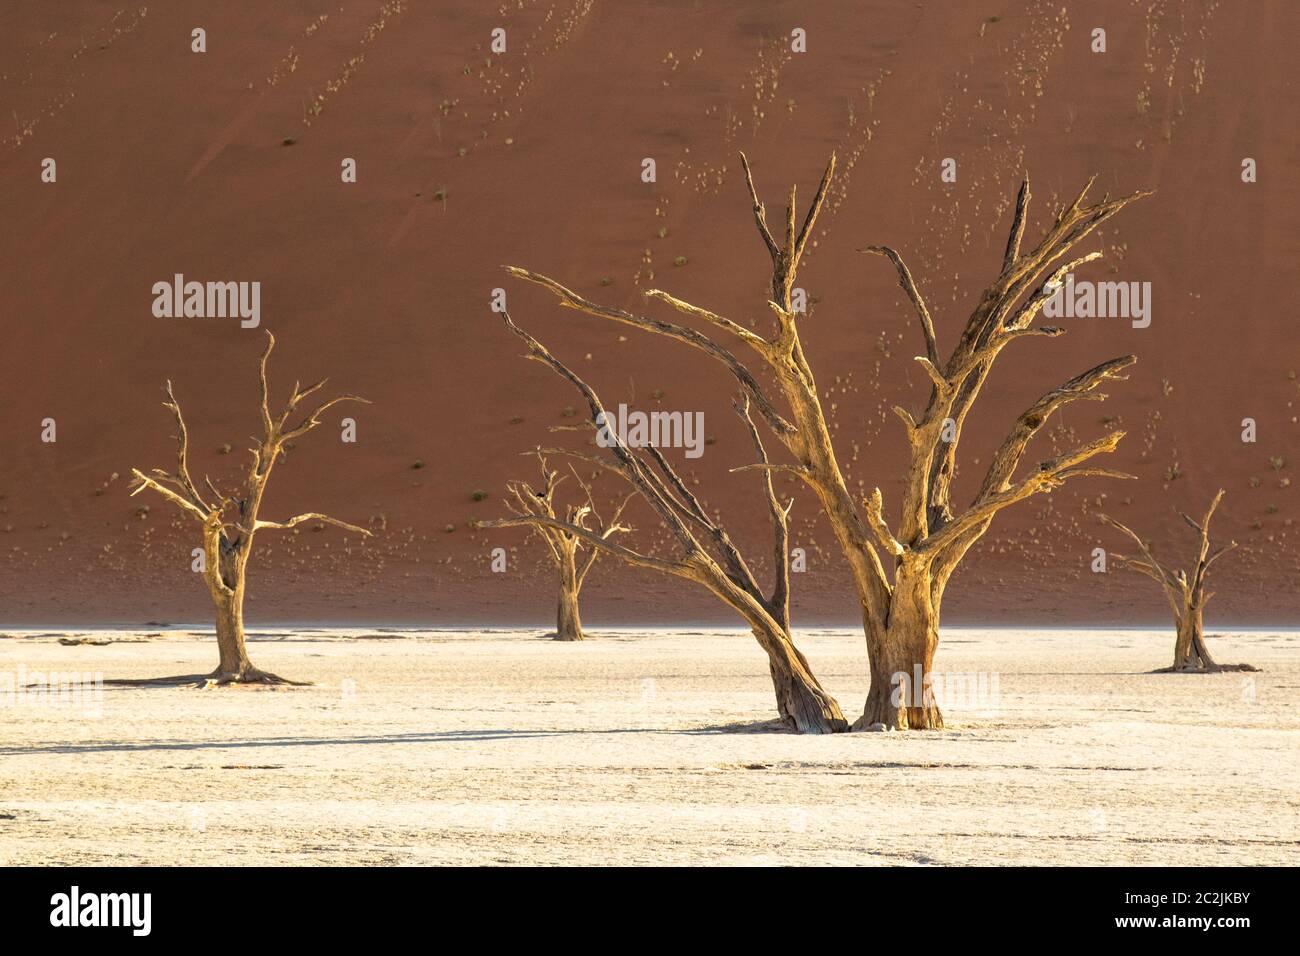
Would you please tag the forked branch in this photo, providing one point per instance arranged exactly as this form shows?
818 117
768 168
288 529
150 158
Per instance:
274 426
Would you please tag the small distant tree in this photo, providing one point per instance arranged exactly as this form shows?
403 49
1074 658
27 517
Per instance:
705 553
572 556
230 522
1185 593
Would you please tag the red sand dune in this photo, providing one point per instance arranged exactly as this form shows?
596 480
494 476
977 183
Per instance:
175 162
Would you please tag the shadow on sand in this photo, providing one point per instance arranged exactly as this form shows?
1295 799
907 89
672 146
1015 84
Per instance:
451 736
206 680
448 736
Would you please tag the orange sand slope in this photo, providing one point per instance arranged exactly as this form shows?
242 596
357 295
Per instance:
225 165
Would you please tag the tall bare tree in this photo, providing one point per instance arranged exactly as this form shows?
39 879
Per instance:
1185 593
572 556
900 607
706 553
231 521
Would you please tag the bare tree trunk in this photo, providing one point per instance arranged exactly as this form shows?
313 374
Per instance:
1191 656
235 665
568 622
801 702
902 659
1190 652
226 585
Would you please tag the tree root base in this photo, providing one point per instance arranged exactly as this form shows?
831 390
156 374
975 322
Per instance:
860 726
218 678
247 675
930 720
817 729
1210 669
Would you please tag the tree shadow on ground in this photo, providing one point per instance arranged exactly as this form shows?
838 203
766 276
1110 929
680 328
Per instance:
201 681
206 680
450 736
1212 669
773 726
446 736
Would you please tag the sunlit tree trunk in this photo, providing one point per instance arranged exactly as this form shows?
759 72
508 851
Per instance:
231 643
1190 653
568 622
902 664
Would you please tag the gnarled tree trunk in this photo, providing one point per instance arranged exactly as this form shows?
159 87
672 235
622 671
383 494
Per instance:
234 665
1190 653
568 622
902 660
802 702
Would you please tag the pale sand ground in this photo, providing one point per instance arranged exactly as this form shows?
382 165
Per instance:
440 747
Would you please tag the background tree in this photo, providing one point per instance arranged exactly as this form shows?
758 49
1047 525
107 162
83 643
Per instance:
1186 593
707 555
230 522
572 556
900 607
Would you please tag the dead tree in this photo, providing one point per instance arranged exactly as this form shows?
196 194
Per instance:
572 556
706 553
900 610
230 522
1186 594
